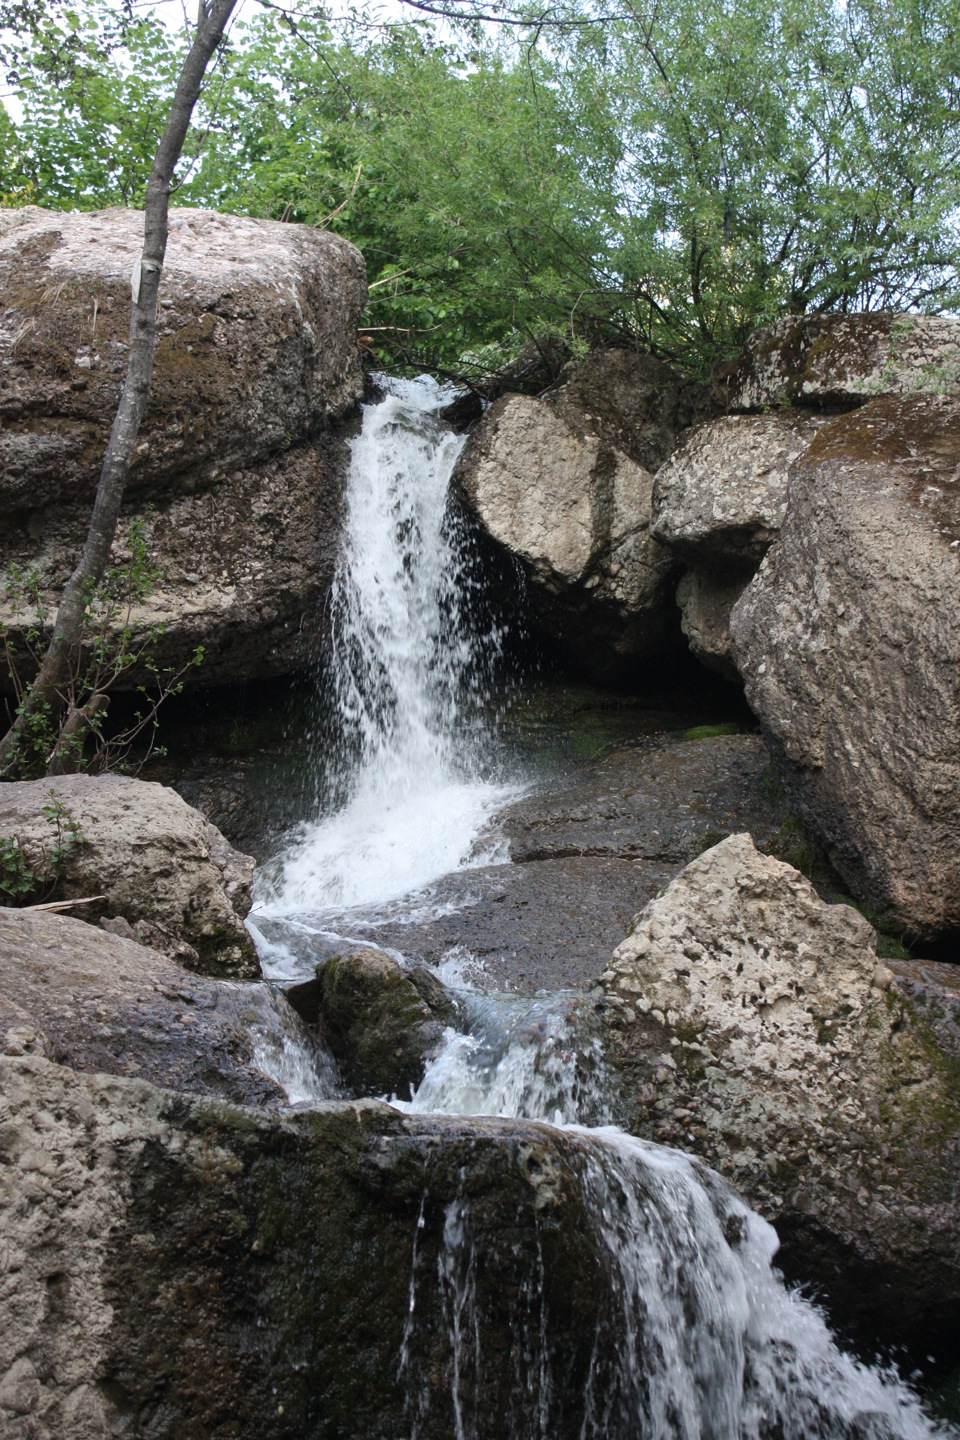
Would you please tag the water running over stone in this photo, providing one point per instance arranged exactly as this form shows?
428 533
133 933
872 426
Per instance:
407 675
682 1330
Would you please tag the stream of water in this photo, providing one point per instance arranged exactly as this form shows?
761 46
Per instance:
709 1343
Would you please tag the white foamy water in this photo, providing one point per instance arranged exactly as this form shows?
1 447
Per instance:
407 678
694 1336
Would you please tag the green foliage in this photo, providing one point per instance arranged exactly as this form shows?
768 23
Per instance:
673 179
26 876
118 644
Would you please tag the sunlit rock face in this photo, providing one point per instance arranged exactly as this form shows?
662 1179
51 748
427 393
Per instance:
848 641
754 1025
574 511
234 481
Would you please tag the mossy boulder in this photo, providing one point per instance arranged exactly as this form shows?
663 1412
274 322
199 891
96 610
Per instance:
381 1021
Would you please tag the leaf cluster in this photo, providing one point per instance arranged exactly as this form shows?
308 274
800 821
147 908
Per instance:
117 646
667 176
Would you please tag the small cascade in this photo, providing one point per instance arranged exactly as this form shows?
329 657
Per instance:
407 676
674 1325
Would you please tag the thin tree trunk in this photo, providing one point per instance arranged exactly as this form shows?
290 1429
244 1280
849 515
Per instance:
50 690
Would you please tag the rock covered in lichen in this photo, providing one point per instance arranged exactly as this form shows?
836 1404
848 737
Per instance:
844 360
848 641
140 853
754 1025
256 360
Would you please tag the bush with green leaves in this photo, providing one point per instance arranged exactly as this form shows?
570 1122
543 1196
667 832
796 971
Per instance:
30 874
670 176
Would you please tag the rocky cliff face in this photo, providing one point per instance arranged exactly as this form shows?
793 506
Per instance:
236 479
849 643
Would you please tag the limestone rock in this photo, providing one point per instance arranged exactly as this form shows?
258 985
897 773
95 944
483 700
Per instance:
755 1027
236 478
102 1002
179 1267
381 1021
634 402
706 601
843 360
256 343
721 496
848 640
575 512
160 865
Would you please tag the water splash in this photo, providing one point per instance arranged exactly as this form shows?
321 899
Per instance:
522 1058
408 676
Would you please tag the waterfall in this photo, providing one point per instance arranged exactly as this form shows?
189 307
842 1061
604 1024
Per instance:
694 1336
406 673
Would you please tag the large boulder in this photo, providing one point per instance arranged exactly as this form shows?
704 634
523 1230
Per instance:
634 402
144 856
754 1025
575 512
256 359
101 1002
848 640
720 498
835 361
177 1267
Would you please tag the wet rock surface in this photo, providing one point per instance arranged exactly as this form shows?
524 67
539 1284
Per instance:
754 1026
100 1002
168 1284
849 645
381 1021
585 860
144 857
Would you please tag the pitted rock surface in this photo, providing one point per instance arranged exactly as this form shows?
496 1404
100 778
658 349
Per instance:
755 1026
159 864
848 640
256 360
721 496
706 601
575 512
845 360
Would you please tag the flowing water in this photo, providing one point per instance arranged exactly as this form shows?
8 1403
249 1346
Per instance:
696 1336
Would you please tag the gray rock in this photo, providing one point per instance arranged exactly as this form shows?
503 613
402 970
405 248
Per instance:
848 641
706 601
256 357
178 1267
575 513
103 1002
634 402
158 863
843 360
755 1027
661 804
720 498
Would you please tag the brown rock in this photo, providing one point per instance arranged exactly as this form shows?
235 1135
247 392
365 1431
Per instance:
158 863
848 640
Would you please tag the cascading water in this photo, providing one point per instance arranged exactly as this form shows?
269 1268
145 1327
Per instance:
406 675
693 1334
